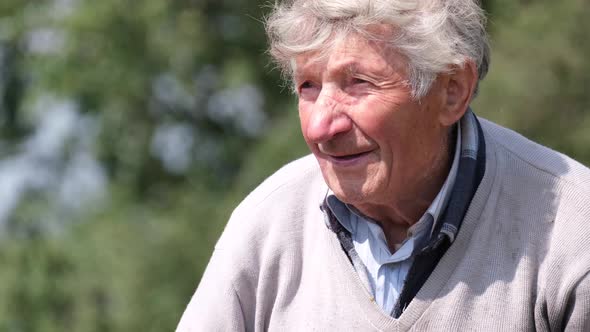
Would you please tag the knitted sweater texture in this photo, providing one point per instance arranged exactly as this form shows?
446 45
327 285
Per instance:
520 262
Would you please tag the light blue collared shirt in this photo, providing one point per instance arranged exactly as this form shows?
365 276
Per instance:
386 272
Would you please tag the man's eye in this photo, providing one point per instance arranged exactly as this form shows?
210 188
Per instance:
357 80
306 85
308 90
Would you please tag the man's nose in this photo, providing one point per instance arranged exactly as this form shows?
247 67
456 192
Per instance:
328 119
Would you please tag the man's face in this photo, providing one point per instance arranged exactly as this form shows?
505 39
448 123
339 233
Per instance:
373 141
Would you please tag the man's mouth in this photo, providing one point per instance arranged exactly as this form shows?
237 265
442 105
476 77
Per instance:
350 156
349 159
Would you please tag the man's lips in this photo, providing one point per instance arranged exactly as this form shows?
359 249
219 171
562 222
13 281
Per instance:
350 156
348 159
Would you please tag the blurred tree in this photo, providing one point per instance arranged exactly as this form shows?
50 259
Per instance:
540 75
166 99
12 73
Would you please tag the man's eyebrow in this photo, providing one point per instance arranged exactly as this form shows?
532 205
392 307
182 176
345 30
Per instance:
347 66
354 68
298 76
305 71
351 68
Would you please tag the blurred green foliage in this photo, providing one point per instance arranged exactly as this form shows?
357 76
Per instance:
131 259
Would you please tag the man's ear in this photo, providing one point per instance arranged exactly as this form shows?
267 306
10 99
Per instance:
458 89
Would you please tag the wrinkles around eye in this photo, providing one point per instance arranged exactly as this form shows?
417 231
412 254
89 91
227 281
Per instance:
308 90
357 81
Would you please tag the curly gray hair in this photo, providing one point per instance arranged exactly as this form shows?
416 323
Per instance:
433 35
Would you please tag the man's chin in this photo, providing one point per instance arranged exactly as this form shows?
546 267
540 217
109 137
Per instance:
352 195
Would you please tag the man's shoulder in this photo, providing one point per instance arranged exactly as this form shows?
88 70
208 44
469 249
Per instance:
544 194
280 205
291 182
545 187
539 159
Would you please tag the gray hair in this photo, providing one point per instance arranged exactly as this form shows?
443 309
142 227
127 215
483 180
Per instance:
433 35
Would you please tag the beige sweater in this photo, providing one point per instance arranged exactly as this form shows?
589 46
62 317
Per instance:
520 262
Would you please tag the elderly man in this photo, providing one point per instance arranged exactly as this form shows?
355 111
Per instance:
412 214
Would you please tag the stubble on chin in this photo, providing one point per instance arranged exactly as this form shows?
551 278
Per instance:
354 189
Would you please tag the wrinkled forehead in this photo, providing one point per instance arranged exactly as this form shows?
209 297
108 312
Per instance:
342 40
352 49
